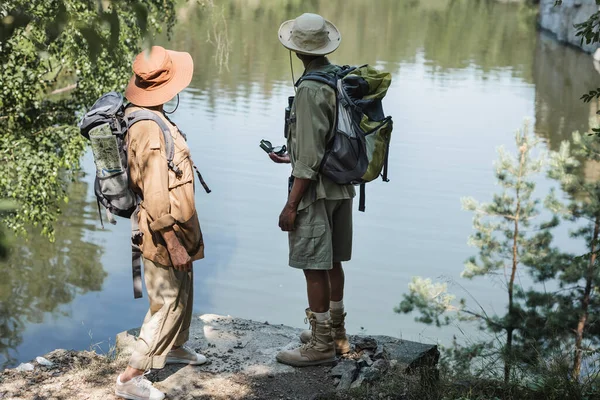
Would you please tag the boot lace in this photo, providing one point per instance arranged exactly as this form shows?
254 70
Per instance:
313 334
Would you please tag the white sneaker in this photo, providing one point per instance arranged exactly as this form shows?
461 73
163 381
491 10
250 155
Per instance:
183 355
138 388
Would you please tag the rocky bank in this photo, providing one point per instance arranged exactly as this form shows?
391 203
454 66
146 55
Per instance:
241 366
560 20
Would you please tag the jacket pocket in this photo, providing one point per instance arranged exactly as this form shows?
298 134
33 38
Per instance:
190 234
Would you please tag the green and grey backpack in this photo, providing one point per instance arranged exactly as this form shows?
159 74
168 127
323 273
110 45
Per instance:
358 152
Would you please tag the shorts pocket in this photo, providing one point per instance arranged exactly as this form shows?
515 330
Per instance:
307 243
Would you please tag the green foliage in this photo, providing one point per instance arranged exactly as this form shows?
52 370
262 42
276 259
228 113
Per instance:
458 385
431 299
550 328
508 237
5 207
579 301
58 57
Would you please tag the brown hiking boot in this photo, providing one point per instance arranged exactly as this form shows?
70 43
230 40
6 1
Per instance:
319 349
338 331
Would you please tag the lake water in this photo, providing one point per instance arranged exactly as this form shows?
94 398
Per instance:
466 74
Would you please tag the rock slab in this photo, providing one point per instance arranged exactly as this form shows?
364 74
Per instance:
235 345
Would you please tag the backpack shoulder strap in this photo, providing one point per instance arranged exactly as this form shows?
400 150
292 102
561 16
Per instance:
144 115
317 76
328 78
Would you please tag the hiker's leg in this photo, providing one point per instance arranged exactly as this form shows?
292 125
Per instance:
341 222
317 287
168 295
340 219
184 333
336 280
178 353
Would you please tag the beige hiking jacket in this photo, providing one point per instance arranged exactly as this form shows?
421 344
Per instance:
167 200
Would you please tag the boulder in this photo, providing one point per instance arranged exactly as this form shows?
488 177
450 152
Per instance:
381 365
367 375
343 367
365 343
411 355
365 361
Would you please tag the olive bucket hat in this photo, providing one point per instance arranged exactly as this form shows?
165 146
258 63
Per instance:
158 76
310 34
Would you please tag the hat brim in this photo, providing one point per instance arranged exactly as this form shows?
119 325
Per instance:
285 37
183 71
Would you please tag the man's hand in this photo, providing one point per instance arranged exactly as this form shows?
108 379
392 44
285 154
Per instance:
284 159
287 218
179 257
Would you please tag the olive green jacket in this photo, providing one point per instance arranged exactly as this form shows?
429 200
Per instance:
312 118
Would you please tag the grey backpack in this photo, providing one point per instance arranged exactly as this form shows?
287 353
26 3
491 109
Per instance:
106 125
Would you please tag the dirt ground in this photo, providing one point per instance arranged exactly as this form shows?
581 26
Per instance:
241 365
88 376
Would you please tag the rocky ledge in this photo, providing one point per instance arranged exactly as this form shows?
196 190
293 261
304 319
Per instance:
241 365
560 20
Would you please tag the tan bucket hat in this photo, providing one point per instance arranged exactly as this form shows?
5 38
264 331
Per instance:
310 34
158 76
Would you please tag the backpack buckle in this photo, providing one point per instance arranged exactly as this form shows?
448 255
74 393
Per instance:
175 169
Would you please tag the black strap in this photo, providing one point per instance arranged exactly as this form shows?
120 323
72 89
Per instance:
200 178
144 115
136 255
100 213
136 269
361 199
385 163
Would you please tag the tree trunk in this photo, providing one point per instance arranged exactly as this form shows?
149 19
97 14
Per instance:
585 303
513 274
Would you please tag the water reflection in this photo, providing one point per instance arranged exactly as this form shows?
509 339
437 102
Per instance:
562 74
39 277
451 34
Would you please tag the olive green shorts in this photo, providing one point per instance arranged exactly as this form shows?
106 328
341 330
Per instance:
322 235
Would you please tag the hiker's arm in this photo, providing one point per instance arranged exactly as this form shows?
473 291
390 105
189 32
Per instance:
314 119
156 202
287 218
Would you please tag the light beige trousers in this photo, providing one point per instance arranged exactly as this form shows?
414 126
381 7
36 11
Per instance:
167 322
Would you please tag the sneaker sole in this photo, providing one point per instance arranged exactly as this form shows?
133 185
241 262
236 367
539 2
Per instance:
181 361
307 363
131 396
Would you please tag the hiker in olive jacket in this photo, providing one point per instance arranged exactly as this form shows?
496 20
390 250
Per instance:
171 235
318 213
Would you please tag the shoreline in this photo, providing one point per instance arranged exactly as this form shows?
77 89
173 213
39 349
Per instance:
241 365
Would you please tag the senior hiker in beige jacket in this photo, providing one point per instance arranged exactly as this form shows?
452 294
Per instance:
171 235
